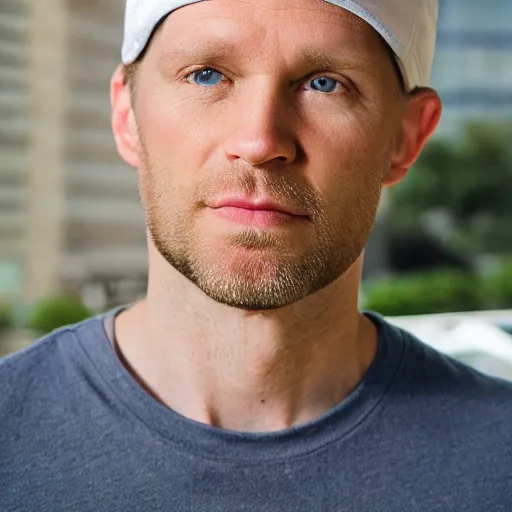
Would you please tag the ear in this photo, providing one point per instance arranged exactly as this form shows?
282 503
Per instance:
419 121
123 119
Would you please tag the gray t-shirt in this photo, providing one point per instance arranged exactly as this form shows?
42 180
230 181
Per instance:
421 433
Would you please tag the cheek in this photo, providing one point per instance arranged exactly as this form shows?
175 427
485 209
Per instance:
349 159
170 155
160 126
180 145
347 166
175 124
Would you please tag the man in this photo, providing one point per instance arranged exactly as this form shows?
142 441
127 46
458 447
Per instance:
263 132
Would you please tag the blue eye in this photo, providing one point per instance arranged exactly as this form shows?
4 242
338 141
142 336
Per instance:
324 84
206 77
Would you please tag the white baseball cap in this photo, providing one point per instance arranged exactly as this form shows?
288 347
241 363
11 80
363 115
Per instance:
408 26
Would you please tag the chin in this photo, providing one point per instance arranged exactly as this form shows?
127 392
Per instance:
259 280
253 271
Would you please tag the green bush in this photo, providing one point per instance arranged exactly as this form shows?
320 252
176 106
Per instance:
6 317
53 313
499 286
429 293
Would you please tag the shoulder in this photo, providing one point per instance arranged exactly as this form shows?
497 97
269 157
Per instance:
57 342
45 365
429 367
443 391
46 398
448 417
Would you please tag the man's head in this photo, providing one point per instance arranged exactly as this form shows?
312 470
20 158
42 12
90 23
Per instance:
264 132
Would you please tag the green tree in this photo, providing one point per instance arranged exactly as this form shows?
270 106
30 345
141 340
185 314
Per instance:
469 181
441 291
56 312
6 317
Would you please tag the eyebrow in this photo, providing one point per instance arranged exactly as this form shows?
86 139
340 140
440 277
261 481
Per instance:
318 59
213 51
220 50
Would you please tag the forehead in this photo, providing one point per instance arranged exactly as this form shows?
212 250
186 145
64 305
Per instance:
265 10
269 25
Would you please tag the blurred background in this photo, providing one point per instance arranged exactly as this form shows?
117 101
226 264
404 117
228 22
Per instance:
72 238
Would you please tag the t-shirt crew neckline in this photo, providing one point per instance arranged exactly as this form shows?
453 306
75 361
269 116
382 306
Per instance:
215 443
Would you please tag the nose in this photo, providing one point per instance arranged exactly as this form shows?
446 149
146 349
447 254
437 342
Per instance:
263 130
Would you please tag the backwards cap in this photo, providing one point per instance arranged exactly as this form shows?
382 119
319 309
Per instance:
408 26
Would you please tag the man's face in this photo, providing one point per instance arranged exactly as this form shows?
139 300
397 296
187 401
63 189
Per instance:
266 129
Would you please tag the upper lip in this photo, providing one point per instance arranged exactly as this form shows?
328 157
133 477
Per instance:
261 204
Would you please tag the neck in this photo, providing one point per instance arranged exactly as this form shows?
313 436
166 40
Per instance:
246 371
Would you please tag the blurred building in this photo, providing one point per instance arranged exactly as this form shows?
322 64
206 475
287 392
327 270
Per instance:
68 206
473 64
69 212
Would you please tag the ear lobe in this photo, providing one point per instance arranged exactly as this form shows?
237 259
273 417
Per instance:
420 120
124 124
